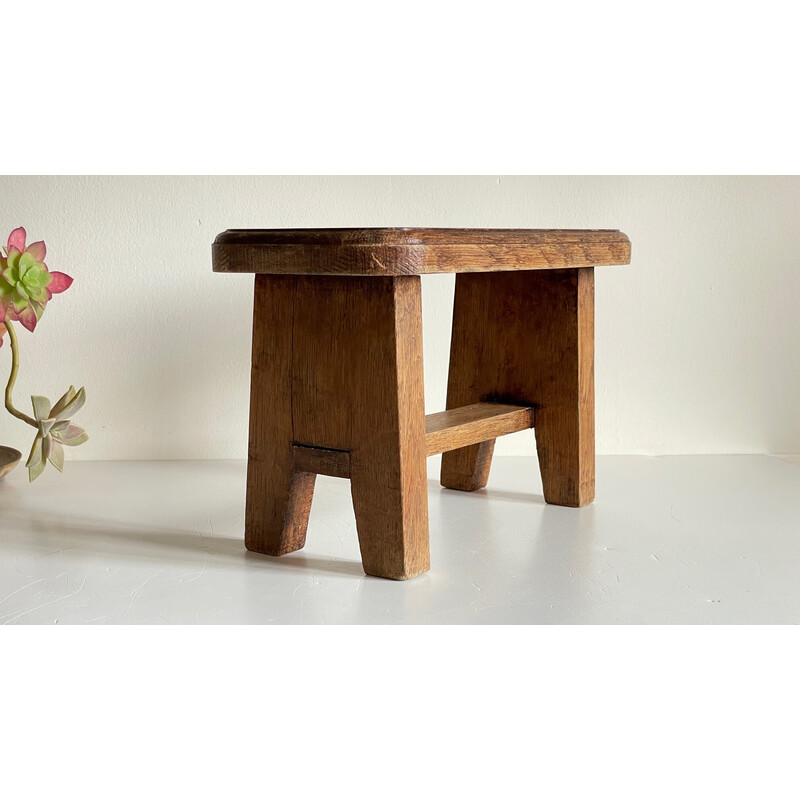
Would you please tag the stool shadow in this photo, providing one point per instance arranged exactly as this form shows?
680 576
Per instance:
299 561
54 534
490 494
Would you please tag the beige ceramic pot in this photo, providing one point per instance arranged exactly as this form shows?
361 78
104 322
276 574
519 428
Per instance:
9 458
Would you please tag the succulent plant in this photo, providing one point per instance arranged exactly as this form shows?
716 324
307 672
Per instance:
55 431
26 284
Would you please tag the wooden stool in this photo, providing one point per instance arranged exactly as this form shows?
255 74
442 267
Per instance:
337 386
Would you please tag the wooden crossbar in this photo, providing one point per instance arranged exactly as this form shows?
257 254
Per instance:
447 430
479 422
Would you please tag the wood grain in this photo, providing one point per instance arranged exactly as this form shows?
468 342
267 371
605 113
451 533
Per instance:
337 372
357 386
278 498
414 251
321 461
528 338
467 425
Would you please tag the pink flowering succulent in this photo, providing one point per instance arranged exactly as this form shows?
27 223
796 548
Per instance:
26 285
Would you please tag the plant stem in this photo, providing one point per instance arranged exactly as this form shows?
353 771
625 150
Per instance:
12 379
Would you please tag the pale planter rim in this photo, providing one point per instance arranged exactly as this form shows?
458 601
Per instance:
9 458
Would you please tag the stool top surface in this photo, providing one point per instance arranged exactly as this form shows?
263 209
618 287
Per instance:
414 251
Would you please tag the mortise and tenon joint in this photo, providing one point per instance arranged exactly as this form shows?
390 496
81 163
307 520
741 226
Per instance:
337 384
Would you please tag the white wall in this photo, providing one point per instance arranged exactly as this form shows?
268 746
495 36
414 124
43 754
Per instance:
698 340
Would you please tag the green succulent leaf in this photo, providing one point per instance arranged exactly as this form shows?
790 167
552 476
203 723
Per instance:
62 402
37 278
73 406
36 452
56 457
26 262
36 471
20 302
72 436
41 407
13 258
45 425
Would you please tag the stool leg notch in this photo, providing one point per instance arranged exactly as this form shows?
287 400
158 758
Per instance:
278 497
528 338
337 382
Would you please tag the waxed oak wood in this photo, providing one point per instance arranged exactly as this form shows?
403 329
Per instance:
321 461
472 424
357 385
278 498
414 251
337 389
528 338
446 430
337 372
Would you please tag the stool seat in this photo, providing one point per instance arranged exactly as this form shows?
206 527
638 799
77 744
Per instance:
414 251
337 376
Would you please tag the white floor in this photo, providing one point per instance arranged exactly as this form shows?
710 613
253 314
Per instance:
681 539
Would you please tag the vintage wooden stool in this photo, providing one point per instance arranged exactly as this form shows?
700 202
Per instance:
337 386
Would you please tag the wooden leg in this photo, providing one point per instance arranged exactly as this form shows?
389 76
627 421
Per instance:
528 338
278 500
357 386
564 422
467 469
